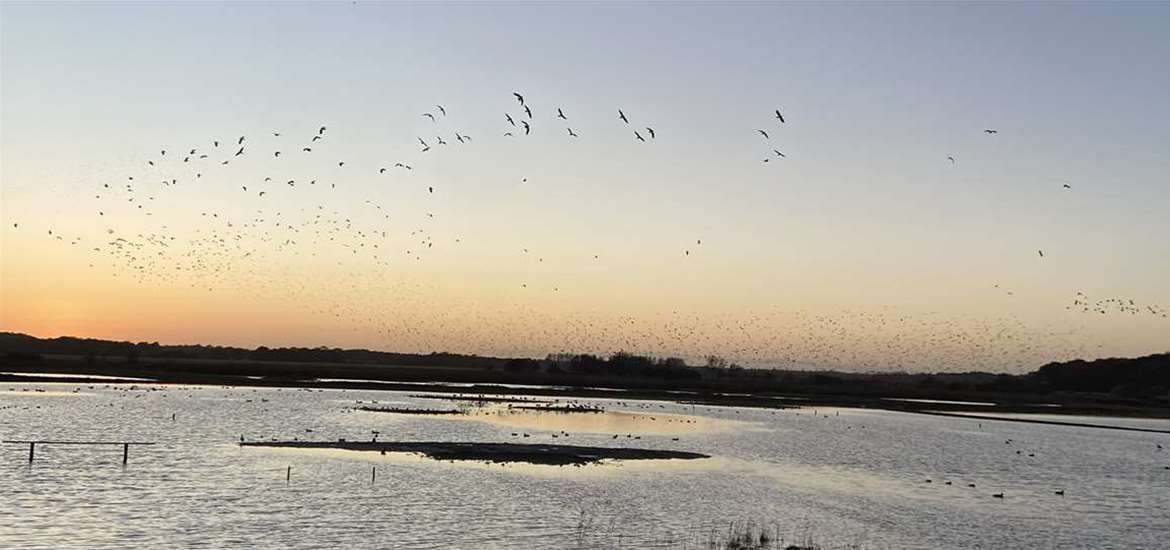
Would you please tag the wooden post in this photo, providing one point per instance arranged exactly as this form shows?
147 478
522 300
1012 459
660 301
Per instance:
31 451
288 475
373 473
125 453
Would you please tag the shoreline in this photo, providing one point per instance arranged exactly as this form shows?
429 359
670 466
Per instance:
491 391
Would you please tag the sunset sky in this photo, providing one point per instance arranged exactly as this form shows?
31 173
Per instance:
864 248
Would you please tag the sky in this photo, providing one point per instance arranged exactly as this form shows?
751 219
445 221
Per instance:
863 248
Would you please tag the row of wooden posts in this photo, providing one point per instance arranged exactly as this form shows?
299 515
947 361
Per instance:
32 451
32 446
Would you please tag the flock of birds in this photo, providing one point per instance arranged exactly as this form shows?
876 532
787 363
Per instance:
301 211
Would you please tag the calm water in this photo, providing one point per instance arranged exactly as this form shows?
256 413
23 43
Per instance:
853 477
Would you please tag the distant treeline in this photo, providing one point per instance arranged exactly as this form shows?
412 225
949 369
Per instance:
89 347
1141 378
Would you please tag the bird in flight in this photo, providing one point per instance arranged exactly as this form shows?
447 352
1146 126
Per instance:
430 116
1041 253
571 132
518 97
622 116
240 152
527 128
509 118
779 116
442 110
1066 186
561 114
527 110
763 133
440 138
639 136
321 130
240 141
778 153
991 131
651 130
952 159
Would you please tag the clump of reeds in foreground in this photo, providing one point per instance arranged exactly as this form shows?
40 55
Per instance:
595 534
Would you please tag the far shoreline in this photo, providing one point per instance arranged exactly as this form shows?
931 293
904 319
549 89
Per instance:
69 370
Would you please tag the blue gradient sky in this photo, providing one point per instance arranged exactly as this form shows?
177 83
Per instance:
865 217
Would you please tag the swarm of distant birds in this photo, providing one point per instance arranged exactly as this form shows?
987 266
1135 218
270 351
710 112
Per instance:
227 248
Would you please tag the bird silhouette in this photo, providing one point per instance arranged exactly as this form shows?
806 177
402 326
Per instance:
509 118
528 111
518 97
441 109
527 128
651 131
763 133
779 116
571 132
639 136
991 131
430 116
622 116
561 114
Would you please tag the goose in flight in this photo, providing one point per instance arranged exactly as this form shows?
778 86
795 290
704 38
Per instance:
651 130
778 153
991 131
528 111
952 159
518 97
430 116
527 128
1066 186
509 118
561 114
321 130
622 116
441 110
240 141
571 132
639 136
240 152
779 116
763 133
